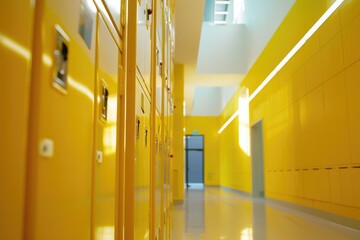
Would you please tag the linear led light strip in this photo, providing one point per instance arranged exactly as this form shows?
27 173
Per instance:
302 41
222 2
228 121
221 12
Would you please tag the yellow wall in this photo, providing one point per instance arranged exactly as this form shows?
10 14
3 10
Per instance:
235 164
207 126
309 110
177 171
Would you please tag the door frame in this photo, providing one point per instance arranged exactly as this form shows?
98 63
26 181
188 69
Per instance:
257 159
187 158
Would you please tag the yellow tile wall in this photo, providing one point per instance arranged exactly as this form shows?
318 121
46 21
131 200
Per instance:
309 111
235 165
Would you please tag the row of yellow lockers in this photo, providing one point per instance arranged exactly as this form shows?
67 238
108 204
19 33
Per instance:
322 184
87 123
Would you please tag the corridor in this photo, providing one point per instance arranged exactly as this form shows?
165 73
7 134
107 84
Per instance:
216 213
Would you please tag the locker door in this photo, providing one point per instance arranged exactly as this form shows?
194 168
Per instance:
143 57
158 174
167 184
16 33
142 164
61 121
105 164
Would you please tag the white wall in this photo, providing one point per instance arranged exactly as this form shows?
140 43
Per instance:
226 93
207 101
262 18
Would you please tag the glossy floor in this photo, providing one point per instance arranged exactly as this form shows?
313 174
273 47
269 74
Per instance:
217 213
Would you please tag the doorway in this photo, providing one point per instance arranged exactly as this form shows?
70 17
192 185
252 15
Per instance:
257 160
194 154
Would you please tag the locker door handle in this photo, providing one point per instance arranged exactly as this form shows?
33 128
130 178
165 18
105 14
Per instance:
61 57
137 129
148 12
146 135
156 145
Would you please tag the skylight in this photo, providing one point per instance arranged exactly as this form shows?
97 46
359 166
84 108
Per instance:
228 11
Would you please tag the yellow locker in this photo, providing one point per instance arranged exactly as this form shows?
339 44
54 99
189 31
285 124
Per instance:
159 55
348 11
350 38
269 181
165 175
353 98
336 118
356 178
113 9
317 184
167 185
158 175
165 113
289 182
142 163
16 33
58 204
332 60
347 193
143 52
335 185
299 183
105 164
330 28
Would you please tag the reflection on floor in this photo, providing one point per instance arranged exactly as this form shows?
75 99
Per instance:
216 213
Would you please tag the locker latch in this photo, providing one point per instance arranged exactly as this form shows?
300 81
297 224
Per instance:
61 57
156 145
146 135
137 128
148 11
104 100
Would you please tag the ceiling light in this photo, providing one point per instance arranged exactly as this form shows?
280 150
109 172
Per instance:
228 122
302 41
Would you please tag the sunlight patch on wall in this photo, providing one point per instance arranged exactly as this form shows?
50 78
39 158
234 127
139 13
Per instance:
246 234
15 47
244 129
105 233
109 137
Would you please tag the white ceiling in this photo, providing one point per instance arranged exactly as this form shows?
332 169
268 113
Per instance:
210 101
218 56
222 49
